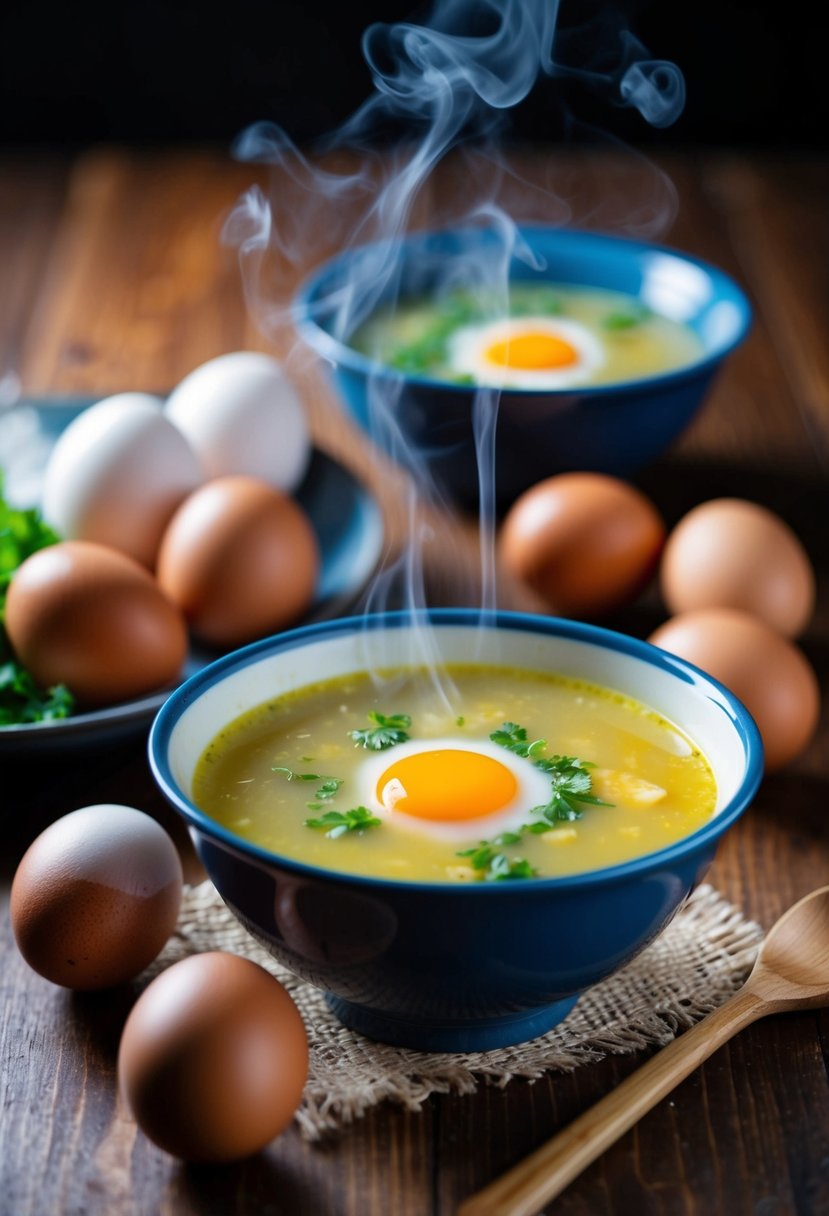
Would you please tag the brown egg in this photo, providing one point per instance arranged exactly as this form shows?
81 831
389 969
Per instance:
240 558
213 1058
585 542
769 674
730 553
83 615
96 896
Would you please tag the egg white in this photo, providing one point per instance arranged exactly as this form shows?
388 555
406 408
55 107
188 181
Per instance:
533 789
467 346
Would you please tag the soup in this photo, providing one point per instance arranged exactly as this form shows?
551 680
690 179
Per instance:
550 336
537 776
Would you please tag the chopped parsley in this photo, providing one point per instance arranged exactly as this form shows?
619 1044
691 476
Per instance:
293 776
22 533
388 729
337 823
626 318
570 779
492 865
324 793
514 739
571 784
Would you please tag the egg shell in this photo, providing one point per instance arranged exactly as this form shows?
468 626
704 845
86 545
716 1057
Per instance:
240 559
117 473
586 542
96 896
768 673
242 415
731 553
92 618
213 1058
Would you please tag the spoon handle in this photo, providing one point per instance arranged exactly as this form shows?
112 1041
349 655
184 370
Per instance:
525 1188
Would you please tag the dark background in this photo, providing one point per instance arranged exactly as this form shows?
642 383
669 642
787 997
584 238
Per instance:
151 71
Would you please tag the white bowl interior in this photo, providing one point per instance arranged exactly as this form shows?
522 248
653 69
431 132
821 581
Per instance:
694 706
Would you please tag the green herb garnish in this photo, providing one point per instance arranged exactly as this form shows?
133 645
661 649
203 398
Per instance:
536 302
293 776
626 318
494 866
22 533
325 792
571 782
328 788
569 776
388 729
337 823
514 739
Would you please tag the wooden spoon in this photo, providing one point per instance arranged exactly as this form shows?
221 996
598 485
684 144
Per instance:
791 972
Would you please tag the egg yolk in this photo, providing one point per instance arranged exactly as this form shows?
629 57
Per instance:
447 784
532 352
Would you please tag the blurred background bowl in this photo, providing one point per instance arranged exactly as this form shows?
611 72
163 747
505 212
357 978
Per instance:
608 428
463 966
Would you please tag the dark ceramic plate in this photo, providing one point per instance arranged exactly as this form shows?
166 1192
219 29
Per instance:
345 517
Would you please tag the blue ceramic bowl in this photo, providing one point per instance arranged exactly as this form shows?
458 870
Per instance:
615 428
440 966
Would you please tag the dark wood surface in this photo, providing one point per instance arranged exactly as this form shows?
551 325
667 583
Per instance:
114 278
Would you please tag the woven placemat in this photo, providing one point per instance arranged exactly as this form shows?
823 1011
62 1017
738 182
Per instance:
702 958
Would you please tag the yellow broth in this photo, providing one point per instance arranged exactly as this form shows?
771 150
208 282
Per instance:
420 336
660 784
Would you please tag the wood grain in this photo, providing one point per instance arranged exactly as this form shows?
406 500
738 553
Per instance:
791 973
115 278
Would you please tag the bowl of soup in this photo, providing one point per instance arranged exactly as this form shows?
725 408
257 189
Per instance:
454 825
586 351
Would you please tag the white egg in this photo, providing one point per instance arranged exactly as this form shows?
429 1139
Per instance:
430 786
243 416
117 474
526 352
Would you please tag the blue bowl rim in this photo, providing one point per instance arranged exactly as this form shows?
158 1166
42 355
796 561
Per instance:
339 353
190 690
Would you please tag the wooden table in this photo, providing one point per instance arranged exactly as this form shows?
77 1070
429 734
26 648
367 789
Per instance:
113 278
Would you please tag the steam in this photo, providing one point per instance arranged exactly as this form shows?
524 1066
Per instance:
446 86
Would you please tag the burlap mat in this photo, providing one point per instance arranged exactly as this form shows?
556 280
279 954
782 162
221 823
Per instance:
698 962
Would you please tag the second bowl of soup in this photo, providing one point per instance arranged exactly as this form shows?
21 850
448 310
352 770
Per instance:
454 827
600 350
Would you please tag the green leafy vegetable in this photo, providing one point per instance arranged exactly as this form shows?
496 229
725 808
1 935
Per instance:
22 533
337 823
388 729
21 700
